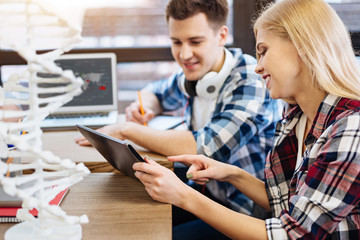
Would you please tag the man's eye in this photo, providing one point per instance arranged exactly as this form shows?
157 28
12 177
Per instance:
196 42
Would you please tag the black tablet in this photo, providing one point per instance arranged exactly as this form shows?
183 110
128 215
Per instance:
119 154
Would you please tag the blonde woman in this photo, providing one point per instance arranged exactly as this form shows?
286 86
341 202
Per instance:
312 186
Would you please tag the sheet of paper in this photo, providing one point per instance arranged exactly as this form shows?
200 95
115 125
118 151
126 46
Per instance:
165 122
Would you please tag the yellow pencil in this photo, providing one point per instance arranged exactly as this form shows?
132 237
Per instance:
141 107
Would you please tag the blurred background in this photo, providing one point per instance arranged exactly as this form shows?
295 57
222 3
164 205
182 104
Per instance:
136 30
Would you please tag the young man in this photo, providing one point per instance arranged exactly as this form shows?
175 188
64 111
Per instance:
229 114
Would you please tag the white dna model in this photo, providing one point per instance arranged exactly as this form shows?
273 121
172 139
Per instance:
27 26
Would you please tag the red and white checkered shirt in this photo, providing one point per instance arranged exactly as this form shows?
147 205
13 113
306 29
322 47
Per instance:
320 200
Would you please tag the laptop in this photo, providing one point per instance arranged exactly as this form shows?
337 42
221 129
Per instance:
96 106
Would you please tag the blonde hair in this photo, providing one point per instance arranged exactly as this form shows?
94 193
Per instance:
322 41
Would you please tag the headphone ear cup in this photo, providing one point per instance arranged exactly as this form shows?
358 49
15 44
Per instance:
206 87
209 85
181 84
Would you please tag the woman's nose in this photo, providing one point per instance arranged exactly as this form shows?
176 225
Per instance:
259 68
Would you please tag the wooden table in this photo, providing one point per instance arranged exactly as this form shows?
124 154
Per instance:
118 207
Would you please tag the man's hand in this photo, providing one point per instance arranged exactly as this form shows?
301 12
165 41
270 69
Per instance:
133 113
110 130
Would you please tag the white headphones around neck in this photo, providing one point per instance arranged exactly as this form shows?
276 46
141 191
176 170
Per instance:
209 85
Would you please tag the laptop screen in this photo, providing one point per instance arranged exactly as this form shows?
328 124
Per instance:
98 71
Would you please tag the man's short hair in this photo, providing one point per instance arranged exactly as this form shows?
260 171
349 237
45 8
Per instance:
216 11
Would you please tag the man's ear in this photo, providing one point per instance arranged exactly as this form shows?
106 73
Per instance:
223 33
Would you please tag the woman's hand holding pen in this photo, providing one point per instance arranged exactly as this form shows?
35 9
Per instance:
133 113
161 183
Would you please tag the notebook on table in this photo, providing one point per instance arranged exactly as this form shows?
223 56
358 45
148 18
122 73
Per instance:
163 122
97 105
10 205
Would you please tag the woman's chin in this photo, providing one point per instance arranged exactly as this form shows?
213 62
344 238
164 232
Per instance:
273 95
289 100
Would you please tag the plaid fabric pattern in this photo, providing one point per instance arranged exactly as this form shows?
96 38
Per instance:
241 129
320 200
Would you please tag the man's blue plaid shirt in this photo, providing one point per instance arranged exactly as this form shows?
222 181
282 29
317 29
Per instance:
241 128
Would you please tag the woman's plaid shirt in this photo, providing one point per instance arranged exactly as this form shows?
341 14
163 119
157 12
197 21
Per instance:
320 200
